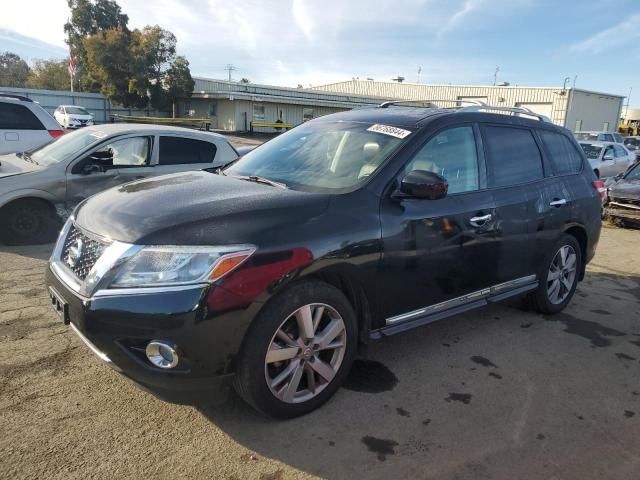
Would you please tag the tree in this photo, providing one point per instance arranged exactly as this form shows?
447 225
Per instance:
111 65
14 71
50 75
155 54
245 80
89 17
178 82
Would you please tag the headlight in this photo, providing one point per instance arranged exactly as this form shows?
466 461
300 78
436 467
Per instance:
174 265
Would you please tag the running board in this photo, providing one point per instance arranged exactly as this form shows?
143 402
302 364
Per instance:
454 306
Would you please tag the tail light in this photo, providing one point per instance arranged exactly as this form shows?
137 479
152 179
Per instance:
56 133
599 186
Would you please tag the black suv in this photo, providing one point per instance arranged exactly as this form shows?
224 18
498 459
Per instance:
274 271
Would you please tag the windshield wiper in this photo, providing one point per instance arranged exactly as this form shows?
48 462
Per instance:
220 170
257 179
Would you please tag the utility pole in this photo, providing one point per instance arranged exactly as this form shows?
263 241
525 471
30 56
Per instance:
626 110
419 72
495 75
230 68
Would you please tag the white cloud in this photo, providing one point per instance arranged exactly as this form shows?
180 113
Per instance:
621 35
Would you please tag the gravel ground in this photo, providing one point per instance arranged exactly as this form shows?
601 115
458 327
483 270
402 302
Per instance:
497 393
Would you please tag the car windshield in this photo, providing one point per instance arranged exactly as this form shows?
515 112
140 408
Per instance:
65 146
634 173
591 151
633 143
322 156
586 136
76 111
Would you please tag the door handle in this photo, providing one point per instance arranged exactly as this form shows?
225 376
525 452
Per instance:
480 220
558 203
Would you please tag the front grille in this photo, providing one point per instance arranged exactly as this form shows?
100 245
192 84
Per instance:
80 252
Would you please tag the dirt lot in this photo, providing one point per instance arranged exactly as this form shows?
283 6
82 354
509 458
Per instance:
499 393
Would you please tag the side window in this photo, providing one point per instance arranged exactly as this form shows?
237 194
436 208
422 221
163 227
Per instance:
18 117
608 137
512 156
618 137
564 156
451 154
179 151
608 154
620 152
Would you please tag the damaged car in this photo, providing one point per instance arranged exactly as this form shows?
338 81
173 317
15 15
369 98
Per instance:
623 206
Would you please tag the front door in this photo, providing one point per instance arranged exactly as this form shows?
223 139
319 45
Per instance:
101 168
439 250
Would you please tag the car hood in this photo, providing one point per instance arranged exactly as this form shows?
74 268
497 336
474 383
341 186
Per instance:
14 165
196 208
625 189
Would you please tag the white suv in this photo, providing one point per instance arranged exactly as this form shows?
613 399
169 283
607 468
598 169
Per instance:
24 125
73 116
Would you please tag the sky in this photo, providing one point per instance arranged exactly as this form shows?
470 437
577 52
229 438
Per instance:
314 42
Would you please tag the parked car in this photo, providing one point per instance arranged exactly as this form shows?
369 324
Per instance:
624 197
599 137
24 124
607 159
73 116
40 186
633 145
346 229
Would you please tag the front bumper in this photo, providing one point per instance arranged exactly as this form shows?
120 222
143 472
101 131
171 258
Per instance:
623 211
117 328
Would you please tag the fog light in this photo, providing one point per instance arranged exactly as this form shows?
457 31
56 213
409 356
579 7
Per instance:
162 354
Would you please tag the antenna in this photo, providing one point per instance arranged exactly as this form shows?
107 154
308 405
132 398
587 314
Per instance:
419 72
230 68
495 75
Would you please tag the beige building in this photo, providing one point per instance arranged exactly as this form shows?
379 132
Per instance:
574 108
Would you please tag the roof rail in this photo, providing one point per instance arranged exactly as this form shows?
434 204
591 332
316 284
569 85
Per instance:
16 97
431 102
515 110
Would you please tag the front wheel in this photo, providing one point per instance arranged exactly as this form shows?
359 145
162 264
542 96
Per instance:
298 351
559 278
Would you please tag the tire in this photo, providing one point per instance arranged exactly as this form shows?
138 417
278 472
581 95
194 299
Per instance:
303 389
544 299
28 222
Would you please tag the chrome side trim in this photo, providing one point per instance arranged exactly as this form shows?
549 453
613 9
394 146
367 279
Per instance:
112 292
456 302
91 346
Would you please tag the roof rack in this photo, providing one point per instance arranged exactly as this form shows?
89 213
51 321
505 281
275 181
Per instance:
515 110
475 106
431 102
17 97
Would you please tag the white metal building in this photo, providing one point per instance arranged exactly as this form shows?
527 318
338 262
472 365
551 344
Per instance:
232 105
574 108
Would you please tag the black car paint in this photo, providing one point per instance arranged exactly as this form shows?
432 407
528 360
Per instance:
389 254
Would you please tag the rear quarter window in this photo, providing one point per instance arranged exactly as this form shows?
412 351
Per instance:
512 155
178 151
564 156
18 117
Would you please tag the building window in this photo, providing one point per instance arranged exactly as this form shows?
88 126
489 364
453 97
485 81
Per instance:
258 112
578 126
605 127
307 114
213 109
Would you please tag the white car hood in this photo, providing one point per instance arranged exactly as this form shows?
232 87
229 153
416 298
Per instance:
14 165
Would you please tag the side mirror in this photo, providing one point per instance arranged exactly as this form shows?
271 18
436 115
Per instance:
424 184
608 156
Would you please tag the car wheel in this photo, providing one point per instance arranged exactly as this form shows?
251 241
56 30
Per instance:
559 278
298 350
29 221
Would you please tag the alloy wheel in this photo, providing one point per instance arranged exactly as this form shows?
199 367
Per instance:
305 353
562 274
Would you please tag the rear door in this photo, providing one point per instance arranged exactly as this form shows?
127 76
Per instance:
623 158
514 167
608 165
180 154
20 129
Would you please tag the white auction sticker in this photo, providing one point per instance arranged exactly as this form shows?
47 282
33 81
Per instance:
389 130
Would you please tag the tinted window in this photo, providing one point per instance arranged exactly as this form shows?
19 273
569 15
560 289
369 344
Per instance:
608 137
564 156
618 137
620 152
512 156
178 151
451 154
18 117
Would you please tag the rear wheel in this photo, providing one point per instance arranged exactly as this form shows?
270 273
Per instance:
298 351
28 221
559 278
